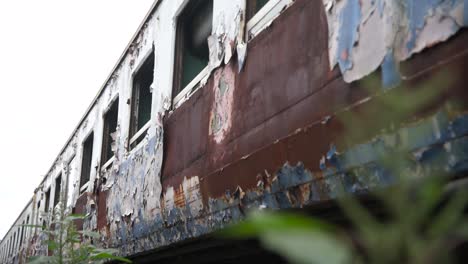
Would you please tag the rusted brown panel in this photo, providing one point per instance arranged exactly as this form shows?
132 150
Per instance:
245 171
186 133
80 208
197 168
102 209
285 63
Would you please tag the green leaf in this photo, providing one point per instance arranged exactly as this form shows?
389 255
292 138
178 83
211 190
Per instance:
305 246
52 245
449 216
109 256
259 222
40 260
73 217
91 234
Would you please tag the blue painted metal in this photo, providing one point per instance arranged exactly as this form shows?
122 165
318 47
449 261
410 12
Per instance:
390 75
350 18
417 10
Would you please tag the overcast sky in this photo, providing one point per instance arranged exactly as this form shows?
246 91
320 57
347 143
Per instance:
54 57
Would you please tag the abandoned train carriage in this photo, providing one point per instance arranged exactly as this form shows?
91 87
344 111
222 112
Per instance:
220 106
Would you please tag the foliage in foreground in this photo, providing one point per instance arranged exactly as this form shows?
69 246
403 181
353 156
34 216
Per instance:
68 245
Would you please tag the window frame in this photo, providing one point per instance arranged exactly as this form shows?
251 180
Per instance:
135 134
261 20
106 133
57 199
179 93
84 186
47 200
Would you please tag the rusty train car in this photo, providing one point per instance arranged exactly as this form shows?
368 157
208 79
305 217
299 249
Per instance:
217 107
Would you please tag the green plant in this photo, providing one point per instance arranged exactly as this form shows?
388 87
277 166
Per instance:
69 245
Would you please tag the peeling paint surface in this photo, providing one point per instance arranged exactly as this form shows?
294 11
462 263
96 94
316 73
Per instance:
363 33
220 118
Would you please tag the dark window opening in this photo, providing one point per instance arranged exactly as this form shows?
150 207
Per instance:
253 6
58 189
192 55
38 205
141 99
27 223
14 244
87 159
22 234
47 201
110 126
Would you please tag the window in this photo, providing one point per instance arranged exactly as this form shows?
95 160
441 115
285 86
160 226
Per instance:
72 177
110 126
87 159
58 189
261 12
141 101
22 235
27 223
47 201
13 246
192 55
253 6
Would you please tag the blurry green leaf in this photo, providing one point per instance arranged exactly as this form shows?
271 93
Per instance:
462 229
91 234
73 217
52 245
40 260
449 215
305 246
259 222
109 256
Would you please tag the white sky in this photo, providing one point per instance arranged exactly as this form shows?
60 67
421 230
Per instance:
54 57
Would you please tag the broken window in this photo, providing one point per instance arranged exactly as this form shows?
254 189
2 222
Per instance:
253 6
192 55
86 160
110 126
58 188
141 101
47 200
